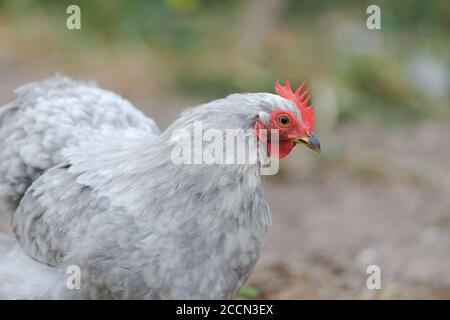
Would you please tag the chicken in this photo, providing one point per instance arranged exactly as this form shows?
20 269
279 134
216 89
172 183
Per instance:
89 181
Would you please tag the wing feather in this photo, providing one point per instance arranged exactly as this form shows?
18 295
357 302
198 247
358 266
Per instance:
49 116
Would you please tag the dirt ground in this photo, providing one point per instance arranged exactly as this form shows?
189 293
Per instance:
384 200
378 194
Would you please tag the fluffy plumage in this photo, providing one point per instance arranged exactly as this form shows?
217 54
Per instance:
88 180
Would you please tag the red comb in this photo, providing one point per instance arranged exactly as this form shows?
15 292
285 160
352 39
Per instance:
301 99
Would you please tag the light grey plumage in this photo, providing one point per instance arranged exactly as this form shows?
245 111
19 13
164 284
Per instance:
88 180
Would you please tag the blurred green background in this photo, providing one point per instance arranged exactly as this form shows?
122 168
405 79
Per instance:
212 48
379 191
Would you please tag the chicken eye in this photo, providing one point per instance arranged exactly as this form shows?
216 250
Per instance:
283 120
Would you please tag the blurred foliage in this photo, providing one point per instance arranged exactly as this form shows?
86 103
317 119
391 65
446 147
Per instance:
249 293
213 48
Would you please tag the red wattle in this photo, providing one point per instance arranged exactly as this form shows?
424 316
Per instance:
285 147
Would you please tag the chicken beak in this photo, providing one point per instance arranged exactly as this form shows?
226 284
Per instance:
310 141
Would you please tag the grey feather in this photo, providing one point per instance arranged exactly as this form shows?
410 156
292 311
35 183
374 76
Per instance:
89 181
